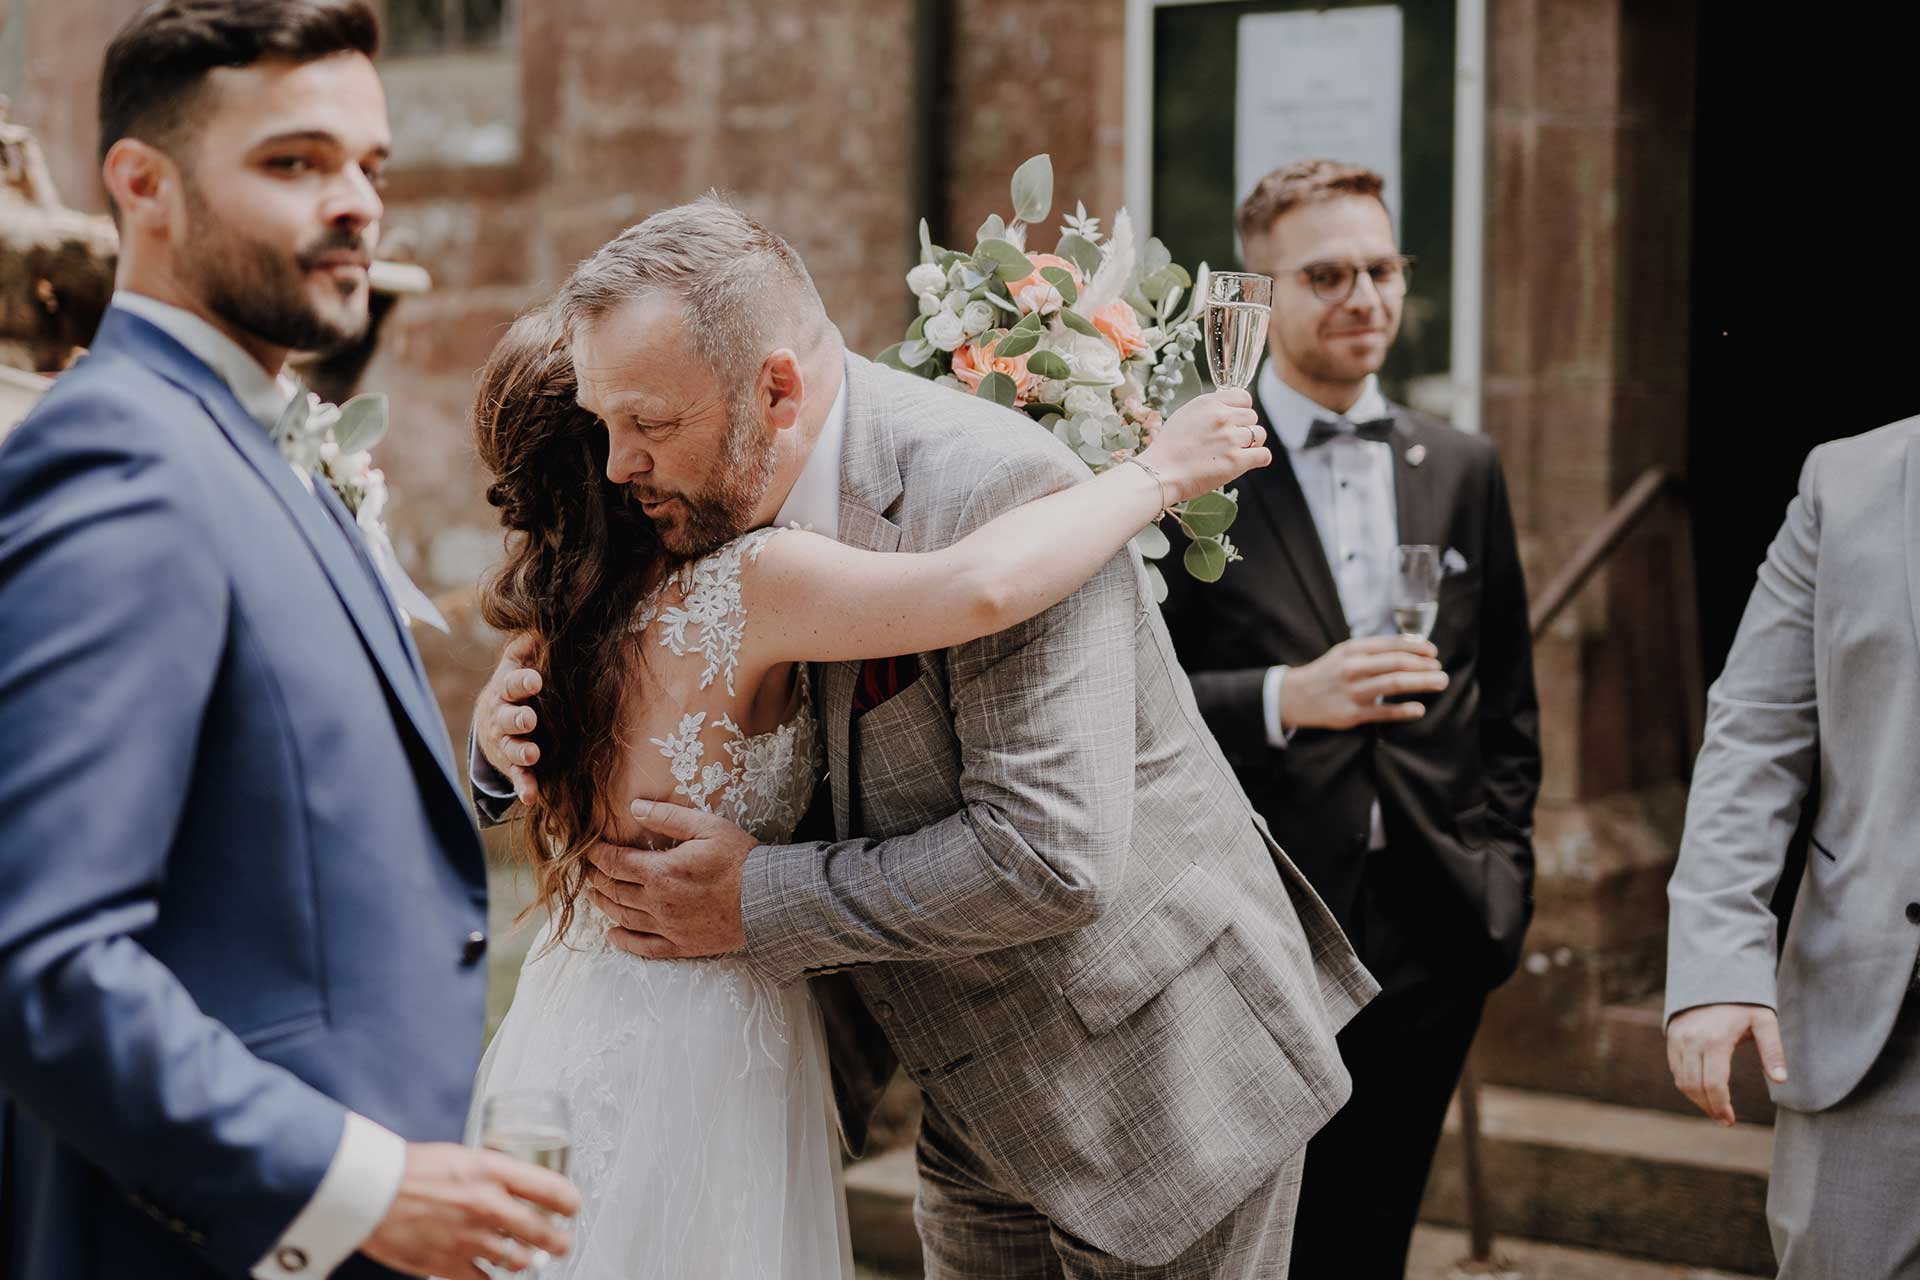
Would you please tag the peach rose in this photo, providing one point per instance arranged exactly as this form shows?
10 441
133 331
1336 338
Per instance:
971 364
1039 261
1119 324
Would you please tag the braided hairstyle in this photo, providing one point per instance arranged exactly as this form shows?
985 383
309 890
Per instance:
581 556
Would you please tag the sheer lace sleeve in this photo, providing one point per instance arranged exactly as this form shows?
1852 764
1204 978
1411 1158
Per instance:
760 781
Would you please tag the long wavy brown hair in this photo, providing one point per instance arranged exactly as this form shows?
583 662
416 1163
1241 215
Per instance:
581 556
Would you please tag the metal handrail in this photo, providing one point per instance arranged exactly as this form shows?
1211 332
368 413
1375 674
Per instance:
1592 554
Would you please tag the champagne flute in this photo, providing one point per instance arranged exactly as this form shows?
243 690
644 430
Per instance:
1238 306
1416 590
529 1125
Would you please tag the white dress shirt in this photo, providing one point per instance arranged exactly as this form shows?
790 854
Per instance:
365 1173
813 503
1348 485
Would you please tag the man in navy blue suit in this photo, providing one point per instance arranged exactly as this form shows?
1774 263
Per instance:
241 896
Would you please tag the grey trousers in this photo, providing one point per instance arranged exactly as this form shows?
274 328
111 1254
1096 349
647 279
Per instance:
970 1230
1844 1202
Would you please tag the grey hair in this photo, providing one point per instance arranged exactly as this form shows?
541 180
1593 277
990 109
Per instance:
734 279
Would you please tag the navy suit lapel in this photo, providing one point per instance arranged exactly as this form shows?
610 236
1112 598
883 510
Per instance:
338 552
1285 508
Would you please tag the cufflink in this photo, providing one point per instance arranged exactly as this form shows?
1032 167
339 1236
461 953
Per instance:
291 1259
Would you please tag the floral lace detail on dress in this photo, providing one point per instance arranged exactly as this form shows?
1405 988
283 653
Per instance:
767 778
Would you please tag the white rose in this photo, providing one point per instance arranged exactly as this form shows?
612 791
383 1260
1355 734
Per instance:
930 304
926 278
945 331
1094 360
1086 402
977 318
1043 298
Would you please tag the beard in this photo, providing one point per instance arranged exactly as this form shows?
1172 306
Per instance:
258 289
724 509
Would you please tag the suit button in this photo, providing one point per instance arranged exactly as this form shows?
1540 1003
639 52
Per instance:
1913 913
474 947
291 1260
883 1009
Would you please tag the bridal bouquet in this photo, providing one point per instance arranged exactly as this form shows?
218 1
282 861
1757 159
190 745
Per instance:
1091 340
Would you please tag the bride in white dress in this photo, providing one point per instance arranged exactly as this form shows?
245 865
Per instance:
704 1137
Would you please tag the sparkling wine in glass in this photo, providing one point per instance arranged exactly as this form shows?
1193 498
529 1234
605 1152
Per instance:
1238 304
529 1125
1416 591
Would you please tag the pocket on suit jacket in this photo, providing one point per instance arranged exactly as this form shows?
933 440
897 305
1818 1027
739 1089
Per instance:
1472 825
1157 946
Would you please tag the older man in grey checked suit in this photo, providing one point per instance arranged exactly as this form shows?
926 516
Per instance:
1043 891
1823 681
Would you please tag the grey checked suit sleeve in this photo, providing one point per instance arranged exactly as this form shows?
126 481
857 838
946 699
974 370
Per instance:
1044 713
1761 747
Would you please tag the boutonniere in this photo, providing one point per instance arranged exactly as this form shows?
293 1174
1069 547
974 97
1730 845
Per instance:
333 444
1416 455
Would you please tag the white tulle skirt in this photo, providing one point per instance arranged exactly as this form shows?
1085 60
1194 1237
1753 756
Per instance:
704 1143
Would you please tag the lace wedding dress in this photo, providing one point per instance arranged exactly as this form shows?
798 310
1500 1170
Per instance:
704 1143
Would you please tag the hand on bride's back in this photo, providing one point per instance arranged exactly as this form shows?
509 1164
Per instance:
1213 440
504 720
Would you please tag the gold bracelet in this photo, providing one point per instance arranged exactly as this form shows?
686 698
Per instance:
1159 481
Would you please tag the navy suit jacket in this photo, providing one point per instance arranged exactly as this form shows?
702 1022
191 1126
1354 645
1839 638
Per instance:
238 880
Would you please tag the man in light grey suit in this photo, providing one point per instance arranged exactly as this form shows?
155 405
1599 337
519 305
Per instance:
1823 681
1049 895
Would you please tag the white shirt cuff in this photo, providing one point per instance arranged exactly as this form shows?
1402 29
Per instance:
346 1207
487 780
1277 737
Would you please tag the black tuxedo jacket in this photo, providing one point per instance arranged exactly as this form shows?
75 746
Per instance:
1457 785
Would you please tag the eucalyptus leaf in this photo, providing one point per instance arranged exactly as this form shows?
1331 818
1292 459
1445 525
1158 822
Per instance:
362 423
1152 543
1001 303
994 228
918 328
1008 261
1062 279
1081 252
1079 323
1210 515
1033 189
1159 582
891 358
1017 343
916 352
1205 560
1093 455
293 418
1153 256
926 242
1051 415
973 279
1029 323
999 388
1047 364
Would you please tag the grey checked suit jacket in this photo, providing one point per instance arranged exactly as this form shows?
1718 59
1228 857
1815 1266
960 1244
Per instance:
1049 891
1824 674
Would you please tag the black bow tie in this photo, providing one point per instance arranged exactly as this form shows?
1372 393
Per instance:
1379 429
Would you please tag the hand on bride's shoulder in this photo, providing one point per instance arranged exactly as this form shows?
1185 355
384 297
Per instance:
504 721
1213 440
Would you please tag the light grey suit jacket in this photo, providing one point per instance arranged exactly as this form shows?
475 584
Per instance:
1049 891
1824 674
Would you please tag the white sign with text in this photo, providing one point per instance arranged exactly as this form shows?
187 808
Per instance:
1320 86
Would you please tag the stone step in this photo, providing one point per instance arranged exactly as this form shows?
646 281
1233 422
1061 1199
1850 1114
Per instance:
880 1204
1631 1180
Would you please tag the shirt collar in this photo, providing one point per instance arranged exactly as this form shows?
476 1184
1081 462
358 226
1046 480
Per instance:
1294 414
262 395
814 501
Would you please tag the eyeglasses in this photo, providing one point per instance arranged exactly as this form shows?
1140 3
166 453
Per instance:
1334 281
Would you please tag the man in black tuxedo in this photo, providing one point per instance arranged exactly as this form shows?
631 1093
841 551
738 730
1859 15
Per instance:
1399 774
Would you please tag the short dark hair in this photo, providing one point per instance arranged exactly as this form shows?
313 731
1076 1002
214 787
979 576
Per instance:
158 64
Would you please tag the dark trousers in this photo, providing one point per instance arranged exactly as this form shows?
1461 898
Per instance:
1367 1169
